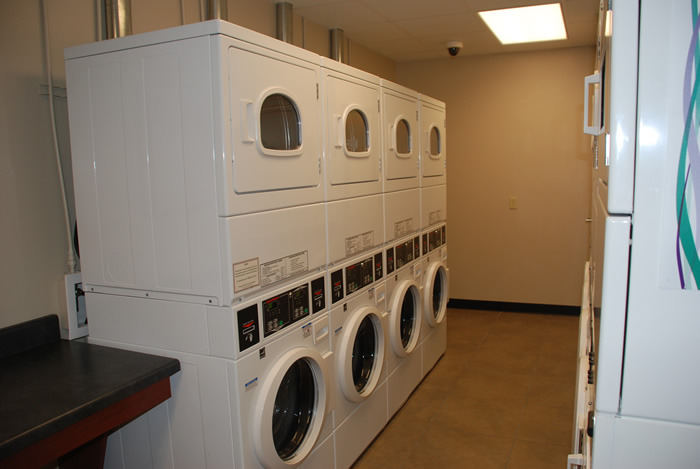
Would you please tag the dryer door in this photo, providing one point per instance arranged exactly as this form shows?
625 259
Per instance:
361 354
433 145
291 408
352 127
401 137
404 320
435 289
275 118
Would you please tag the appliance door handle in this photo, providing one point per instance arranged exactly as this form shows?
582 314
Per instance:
247 121
338 131
593 129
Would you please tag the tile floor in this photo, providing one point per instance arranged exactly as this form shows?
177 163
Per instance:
502 396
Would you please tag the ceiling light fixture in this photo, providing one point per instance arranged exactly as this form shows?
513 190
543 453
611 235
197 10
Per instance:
526 24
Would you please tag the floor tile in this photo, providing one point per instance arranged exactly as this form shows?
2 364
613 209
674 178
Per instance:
528 455
545 424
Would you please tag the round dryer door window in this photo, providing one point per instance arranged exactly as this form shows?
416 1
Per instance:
294 409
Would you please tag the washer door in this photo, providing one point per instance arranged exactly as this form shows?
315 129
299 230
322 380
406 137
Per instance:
291 408
361 354
435 290
404 321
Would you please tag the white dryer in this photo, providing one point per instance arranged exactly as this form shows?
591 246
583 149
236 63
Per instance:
404 305
358 325
433 159
401 139
255 388
435 295
178 137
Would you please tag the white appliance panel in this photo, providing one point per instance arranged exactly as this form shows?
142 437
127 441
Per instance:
401 213
433 205
354 225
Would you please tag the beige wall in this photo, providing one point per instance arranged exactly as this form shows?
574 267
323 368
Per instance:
33 239
514 129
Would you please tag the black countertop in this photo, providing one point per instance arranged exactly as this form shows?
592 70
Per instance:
50 386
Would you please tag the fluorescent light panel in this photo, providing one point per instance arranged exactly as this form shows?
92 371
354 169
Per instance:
526 24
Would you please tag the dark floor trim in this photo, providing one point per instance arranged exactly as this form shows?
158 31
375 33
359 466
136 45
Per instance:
514 307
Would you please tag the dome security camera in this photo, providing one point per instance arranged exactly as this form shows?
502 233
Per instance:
453 47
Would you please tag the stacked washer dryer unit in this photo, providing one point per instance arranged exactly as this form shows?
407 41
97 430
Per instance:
402 227
198 171
356 266
433 189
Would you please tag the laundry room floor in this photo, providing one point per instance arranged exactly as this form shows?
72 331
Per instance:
502 396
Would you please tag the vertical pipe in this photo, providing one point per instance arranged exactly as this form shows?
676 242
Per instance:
338 50
217 10
117 18
285 22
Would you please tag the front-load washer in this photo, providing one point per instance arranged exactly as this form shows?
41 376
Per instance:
358 325
255 388
351 129
433 158
400 129
433 332
174 134
404 304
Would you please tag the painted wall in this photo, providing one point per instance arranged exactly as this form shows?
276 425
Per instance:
33 241
514 130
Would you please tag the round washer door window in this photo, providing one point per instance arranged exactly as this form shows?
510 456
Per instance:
436 295
294 409
361 354
290 408
404 325
364 353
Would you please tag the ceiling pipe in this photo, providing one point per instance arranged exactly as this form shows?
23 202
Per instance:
217 10
338 49
285 22
117 18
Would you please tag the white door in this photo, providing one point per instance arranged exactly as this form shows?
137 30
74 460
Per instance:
401 147
433 151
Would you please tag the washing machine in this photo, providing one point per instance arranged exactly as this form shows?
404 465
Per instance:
358 328
404 304
401 139
184 138
433 341
433 158
255 388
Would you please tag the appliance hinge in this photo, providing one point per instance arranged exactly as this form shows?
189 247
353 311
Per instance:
595 156
317 97
379 106
416 115
380 165
319 166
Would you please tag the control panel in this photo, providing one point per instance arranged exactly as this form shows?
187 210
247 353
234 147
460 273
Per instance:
282 310
359 275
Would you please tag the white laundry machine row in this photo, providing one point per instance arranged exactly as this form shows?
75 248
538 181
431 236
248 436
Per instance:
256 387
188 145
404 316
358 325
401 137
433 158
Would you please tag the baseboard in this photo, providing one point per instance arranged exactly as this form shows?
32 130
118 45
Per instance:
514 307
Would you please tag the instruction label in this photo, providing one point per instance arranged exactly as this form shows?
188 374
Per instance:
284 267
403 227
359 243
435 217
245 275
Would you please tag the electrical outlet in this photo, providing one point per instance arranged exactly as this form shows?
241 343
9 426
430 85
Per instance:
73 311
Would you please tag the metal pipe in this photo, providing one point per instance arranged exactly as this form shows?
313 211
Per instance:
217 10
117 18
285 22
338 49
